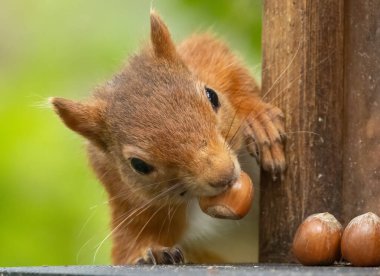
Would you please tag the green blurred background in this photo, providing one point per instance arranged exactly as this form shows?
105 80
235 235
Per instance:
52 210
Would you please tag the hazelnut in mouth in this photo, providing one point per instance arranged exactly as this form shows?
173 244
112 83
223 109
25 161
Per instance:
234 203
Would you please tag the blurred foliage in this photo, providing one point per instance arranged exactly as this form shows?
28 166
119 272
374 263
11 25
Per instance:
52 209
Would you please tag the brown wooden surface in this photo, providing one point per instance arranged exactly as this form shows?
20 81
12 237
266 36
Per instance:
303 75
361 178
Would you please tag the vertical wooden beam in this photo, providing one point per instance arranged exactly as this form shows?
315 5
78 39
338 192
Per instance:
361 189
303 75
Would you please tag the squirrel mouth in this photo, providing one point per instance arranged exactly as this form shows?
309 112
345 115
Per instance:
183 193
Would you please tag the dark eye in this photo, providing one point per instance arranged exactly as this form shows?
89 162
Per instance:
213 98
140 166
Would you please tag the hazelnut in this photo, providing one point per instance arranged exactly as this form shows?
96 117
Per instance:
317 240
233 203
361 241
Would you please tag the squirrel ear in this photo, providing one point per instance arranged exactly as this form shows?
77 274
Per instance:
84 119
163 45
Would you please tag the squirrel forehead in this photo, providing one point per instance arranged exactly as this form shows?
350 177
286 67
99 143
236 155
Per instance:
170 141
155 103
146 79
167 119
174 147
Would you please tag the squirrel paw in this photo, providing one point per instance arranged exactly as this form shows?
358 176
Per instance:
264 135
162 255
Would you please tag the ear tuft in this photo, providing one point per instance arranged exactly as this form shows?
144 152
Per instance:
84 119
162 43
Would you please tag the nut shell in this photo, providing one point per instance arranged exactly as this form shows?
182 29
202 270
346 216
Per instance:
361 241
317 240
233 203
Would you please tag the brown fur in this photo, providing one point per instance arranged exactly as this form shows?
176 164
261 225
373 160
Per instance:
156 109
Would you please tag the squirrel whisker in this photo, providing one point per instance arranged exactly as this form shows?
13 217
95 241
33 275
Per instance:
134 212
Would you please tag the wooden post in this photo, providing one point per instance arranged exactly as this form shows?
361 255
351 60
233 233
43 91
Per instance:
361 189
303 75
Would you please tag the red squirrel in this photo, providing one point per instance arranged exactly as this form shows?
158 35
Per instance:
166 129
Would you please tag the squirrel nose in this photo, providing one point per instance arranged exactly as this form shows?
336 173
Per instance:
224 180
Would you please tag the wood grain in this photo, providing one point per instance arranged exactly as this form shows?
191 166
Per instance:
361 177
303 75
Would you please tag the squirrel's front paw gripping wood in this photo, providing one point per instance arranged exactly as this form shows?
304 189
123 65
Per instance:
264 135
162 255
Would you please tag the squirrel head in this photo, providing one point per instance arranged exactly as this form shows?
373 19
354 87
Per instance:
159 124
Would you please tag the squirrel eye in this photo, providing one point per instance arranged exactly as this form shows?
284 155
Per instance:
213 98
140 166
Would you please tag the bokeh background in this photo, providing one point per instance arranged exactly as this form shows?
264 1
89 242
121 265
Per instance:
52 209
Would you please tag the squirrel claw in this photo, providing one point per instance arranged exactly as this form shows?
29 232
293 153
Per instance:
264 136
163 255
